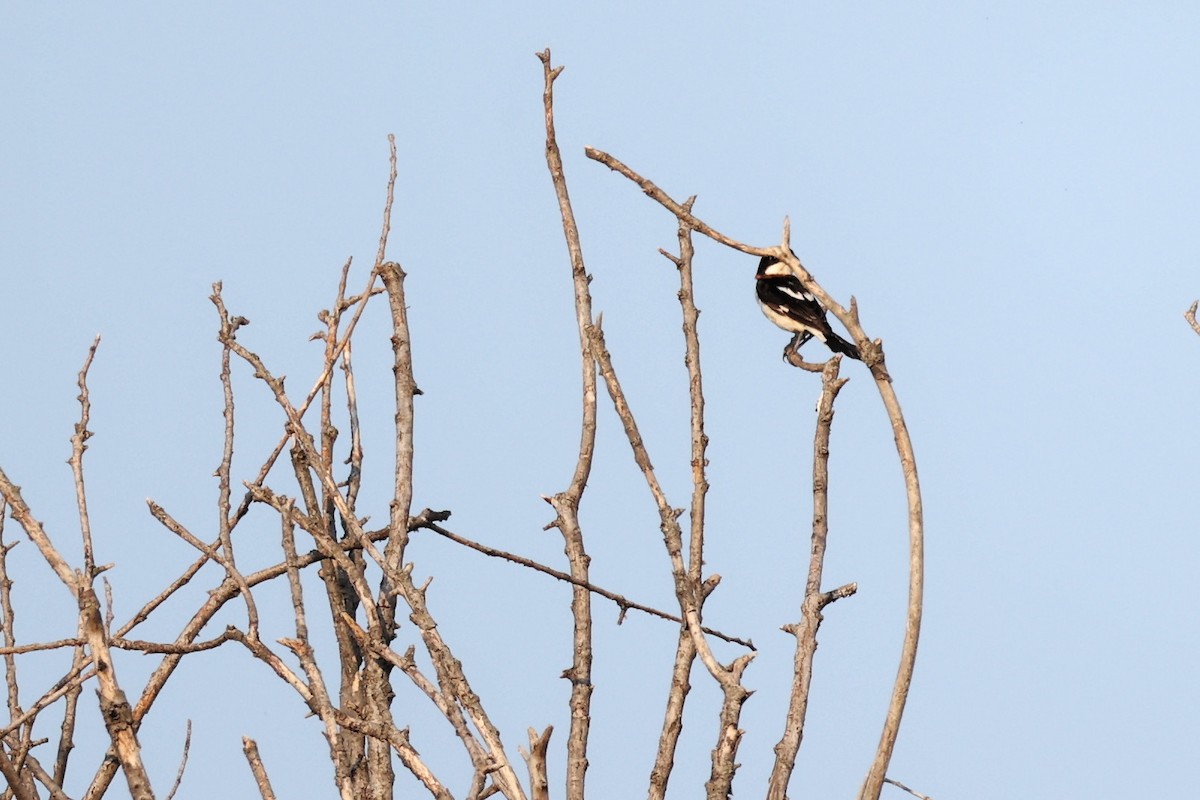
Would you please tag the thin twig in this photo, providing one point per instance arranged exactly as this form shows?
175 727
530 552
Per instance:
142 614
187 746
621 601
381 253
684 215
360 302
1190 316
64 686
900 785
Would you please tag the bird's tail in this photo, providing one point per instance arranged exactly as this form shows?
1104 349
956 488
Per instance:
839 345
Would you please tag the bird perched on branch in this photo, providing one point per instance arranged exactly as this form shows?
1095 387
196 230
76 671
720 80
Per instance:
789 305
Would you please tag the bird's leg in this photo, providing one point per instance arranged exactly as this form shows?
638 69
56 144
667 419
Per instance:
795 344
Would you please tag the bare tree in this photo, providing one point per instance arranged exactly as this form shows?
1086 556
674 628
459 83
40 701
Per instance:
367 575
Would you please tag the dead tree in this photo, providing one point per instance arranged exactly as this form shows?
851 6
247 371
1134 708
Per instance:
367 575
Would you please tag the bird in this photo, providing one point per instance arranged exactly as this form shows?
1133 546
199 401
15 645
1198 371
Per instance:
785 301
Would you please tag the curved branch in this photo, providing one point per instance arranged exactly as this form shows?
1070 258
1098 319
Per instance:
873 357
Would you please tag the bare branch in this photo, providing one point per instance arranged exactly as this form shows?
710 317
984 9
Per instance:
900 785
1190 316
566 504
685 648
320 702
224 526
387 206
20 786
8 625
535 758
114 707
445 702
78 446
64 686
37 534
622 602
250 748
406 389
814 600
360 302
682 213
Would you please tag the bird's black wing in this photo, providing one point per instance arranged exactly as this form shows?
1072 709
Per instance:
786 296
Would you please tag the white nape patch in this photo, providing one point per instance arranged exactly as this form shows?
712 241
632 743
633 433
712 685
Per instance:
778 268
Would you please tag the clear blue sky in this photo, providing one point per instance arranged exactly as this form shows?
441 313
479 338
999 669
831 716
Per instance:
1009 189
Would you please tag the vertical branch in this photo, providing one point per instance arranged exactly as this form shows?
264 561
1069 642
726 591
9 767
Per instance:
78 446
381 253
406 387
685 648
8 628
566 504
393 279
376 688
228 332
691 317
397 575
355 459
814 599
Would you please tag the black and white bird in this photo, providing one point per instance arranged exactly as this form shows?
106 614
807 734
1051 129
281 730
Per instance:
789 305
